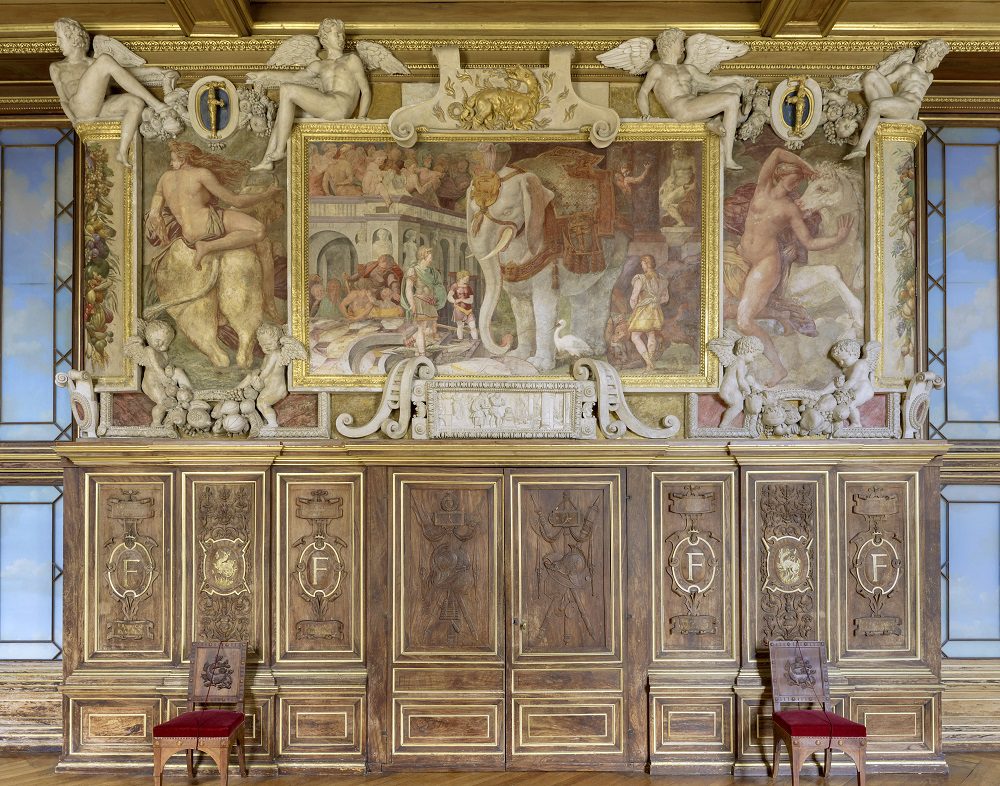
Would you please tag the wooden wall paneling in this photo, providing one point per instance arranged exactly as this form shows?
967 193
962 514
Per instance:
565 584
226 554
103 730
785 567
693 563
320 619
319 587
878 532
129 588
786 551
638 633
970 711
889 533
30 706
378 527
119 587
448 631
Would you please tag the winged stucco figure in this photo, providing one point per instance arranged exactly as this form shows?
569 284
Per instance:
685 90
329 88
82 82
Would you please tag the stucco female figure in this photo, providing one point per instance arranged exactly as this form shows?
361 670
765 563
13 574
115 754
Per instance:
82 81
329 89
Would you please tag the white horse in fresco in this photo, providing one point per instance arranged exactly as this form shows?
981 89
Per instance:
838 190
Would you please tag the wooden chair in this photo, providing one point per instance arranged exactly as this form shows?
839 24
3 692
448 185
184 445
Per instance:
798 674
217 672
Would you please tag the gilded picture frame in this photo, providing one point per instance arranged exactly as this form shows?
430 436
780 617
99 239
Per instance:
649 138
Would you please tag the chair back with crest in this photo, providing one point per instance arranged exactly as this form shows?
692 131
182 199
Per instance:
217 673
798 673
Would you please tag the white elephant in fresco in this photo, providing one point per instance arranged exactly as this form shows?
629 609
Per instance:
543 228
225 290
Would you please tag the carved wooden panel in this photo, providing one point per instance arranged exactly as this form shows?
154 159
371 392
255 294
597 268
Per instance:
320 567
109 726
699 726
878 567
693 548
566 728
456 726
448 642
566 574
786 532
898 724
446 567
322 725
129 584
225 567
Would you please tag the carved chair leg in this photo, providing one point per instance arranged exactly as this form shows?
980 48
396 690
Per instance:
241 752
190 761
797 756
860 764
827 755
158 762
775 754
223 762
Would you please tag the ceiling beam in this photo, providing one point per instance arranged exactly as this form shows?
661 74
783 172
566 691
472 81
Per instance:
774 15
830 16
236 14
182 13
212 17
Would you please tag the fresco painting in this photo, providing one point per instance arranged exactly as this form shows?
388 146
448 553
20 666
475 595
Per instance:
107 264
899 254
503 259
214 259
794 256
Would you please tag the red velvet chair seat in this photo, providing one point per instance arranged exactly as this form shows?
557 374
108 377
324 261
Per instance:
200 723
814 723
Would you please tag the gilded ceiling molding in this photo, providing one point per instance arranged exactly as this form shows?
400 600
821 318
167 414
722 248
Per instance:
837 45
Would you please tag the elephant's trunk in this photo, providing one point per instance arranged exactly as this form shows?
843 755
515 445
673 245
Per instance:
490 266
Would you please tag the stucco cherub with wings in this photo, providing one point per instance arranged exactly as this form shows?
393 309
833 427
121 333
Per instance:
270 380
329 88
685 90
82 82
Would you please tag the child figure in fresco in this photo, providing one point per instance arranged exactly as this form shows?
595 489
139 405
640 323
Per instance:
423 295
649 291
462 296
677 185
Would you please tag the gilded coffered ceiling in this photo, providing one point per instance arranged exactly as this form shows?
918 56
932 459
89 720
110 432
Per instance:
229 36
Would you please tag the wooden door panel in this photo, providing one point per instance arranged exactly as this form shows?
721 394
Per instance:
566 689
566 567
448 643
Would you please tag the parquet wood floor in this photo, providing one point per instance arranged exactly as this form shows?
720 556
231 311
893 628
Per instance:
30 769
